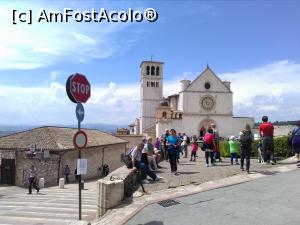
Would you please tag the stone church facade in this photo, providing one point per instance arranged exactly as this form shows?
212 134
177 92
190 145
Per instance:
205 100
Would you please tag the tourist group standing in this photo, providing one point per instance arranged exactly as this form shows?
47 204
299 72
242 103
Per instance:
170 145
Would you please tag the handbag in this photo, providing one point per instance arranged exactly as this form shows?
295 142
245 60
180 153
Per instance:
290 138
128 161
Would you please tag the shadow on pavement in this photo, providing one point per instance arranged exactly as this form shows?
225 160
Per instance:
188 172
152 223
186 164
224 164
267 172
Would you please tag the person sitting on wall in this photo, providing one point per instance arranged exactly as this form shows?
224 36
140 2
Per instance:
137 164
152 157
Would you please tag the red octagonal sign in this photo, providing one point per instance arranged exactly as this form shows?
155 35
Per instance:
78 88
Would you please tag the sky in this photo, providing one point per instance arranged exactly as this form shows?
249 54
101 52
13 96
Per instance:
253 44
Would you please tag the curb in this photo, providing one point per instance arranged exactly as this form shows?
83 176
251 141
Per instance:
126 210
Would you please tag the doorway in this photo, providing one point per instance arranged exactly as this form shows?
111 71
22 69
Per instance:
204 125
8 171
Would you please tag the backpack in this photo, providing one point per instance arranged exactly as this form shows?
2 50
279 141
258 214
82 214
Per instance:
128 160
188 140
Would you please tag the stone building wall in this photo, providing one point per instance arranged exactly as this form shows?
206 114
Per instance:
7 154
110 155
134 140
46 168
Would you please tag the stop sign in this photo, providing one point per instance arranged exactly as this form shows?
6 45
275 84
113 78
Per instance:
78 88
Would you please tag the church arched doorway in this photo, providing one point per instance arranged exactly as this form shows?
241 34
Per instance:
204 125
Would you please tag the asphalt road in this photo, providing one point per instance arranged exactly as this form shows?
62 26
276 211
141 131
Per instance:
274 200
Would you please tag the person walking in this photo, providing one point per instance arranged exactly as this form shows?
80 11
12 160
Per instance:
32 180
266 131
246 139
208 146
165 136
295 141
184 145
172 143
217 153
67 173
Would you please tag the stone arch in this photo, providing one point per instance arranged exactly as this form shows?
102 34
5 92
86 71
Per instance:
164 115
152 70
157 71
205 124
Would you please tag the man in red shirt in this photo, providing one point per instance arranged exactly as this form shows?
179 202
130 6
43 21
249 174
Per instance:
266 131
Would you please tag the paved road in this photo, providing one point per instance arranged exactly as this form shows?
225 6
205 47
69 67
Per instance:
53 206
274 200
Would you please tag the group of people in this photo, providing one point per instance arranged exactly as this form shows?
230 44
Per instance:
146 160
171 145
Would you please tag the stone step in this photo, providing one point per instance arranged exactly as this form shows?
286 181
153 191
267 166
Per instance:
43 215
11 220
54 205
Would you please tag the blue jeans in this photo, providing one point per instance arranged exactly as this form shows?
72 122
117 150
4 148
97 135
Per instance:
233 156
145 170
209 154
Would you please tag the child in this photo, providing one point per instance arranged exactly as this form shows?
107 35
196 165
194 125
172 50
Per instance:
194 150
233 144
260 158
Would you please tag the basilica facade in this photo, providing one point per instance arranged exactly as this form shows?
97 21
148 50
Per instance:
201 102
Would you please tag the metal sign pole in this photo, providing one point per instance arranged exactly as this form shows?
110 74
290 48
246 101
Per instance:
79 178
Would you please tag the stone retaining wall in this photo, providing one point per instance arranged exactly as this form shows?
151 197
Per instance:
112 189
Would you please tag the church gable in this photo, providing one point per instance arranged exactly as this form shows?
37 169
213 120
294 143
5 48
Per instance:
208 81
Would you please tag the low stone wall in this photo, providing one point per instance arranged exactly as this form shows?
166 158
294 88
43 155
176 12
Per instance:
133 140
112 189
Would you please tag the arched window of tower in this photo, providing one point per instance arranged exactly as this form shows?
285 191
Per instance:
157 71
152 70
157 84
164 115
147 83
148 70
152 84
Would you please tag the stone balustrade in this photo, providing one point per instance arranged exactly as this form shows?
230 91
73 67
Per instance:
112 189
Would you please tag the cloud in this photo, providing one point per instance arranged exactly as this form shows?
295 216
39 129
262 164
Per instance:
111 104
26 47
271 89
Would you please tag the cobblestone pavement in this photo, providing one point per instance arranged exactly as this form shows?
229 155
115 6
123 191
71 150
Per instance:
191 172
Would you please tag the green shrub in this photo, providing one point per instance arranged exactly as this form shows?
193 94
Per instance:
281 148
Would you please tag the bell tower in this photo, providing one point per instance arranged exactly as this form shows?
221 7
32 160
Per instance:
151 92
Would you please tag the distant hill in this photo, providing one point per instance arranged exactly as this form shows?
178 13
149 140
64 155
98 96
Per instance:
110 128
280 123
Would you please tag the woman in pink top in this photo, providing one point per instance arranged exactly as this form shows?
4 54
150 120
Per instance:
209 146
